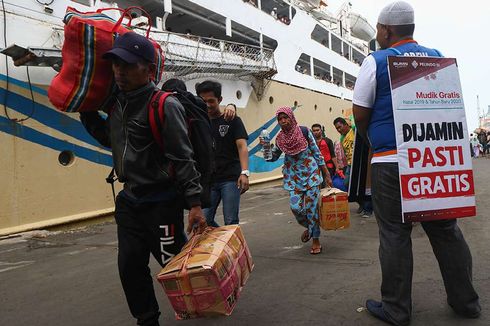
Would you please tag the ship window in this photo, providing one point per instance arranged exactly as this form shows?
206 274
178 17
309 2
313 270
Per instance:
269 42
271 99
338 77
295 103
279 10
238 94
346 50
320 35
316 107
66 158
303 65
336 44
350 81
252 2
196 20
357 57
321 70
199 21
330 110
243 34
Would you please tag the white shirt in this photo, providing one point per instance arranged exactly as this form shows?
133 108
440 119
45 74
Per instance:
365 95
365 87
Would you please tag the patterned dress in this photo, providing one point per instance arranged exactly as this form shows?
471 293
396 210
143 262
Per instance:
302 178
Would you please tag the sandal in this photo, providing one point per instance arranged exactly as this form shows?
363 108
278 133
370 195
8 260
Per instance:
316 251
305 237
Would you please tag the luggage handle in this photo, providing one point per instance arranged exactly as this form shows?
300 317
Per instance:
126 12
118 9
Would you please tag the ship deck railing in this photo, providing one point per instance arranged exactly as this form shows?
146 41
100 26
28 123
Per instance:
189 57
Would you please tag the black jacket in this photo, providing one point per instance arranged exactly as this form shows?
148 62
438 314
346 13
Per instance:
139 161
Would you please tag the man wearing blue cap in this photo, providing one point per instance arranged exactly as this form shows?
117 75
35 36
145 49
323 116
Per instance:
149 210
373 113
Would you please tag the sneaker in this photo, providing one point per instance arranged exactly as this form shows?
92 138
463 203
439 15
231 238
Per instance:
360 210
375 308
366 214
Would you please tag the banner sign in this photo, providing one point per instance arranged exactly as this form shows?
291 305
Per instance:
436 176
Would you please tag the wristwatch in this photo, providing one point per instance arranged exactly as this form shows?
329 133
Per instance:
246 172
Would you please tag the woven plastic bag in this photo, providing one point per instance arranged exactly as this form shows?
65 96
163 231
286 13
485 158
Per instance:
85 80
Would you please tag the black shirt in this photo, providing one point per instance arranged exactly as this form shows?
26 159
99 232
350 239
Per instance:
227 161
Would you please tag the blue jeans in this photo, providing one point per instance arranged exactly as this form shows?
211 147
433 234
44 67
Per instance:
230 194
367 205
347 177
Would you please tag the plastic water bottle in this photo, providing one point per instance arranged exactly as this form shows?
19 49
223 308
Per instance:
266 147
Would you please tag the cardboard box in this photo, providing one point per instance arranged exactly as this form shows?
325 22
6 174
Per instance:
206 278
334 209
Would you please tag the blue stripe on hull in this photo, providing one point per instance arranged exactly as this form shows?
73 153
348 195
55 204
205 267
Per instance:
23 84
257 164
48 116
32 135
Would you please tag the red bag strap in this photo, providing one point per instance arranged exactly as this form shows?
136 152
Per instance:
118 9
156 115
126 12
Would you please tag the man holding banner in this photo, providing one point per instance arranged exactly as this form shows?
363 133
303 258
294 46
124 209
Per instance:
421 169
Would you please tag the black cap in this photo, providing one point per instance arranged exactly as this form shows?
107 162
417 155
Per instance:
132 47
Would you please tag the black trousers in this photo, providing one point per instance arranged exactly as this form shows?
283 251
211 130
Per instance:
144 228
395 252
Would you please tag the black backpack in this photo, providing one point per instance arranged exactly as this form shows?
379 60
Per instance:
199 130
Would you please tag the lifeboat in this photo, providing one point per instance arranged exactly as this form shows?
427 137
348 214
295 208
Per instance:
360 27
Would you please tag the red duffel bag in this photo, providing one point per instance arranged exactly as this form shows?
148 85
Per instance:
85 81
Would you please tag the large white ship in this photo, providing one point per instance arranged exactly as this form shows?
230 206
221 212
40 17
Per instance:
266 53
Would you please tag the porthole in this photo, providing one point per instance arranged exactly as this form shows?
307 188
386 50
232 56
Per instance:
295 103
66 158
330 110
238 94
271 99
316 107
342 111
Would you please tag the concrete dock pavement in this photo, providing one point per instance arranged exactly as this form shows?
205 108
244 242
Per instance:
70 277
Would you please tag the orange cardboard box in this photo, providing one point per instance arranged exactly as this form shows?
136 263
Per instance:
334 209
206 278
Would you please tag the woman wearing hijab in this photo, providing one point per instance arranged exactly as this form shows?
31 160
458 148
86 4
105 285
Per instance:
302 177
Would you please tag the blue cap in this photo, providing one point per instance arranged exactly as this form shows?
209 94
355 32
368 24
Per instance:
132 47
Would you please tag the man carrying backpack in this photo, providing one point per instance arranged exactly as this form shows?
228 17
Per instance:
158 182
230 179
